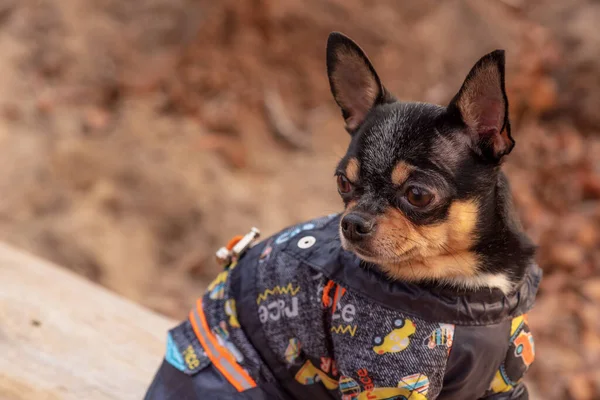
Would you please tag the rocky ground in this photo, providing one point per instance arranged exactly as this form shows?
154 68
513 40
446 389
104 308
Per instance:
137 137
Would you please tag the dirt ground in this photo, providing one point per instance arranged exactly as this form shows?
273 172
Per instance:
137 137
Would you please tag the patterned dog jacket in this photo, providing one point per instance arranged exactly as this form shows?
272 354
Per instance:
297 317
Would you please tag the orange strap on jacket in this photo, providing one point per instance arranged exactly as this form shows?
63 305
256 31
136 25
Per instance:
339 292
325 298
221 358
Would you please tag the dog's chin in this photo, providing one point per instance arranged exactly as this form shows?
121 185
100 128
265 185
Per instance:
367 254
360 251
372 256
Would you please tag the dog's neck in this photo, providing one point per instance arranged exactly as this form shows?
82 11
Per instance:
451 270
503 248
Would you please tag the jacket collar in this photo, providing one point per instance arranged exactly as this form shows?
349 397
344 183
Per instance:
481 307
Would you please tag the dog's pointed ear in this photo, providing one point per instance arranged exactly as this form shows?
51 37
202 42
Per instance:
483 107
354 83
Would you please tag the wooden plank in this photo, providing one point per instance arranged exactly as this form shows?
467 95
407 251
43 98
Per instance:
62 337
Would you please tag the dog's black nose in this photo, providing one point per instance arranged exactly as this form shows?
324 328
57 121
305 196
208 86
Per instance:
356 227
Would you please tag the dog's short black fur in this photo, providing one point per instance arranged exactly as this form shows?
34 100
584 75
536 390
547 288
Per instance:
424 194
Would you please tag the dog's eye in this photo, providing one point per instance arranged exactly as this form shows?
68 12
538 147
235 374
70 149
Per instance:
344 185
418 197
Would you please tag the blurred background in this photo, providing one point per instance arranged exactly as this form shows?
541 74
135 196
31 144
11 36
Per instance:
136 137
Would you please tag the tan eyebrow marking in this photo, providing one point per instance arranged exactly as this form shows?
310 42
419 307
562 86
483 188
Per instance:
401 172
352 169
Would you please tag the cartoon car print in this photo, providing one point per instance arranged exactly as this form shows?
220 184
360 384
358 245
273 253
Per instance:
442 336
519 358
217 287
266 253
525 347
292 351
391 394
231 313
222 335
349 388
416 382
397 340
500 383
309 375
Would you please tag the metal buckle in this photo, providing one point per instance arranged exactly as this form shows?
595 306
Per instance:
226 256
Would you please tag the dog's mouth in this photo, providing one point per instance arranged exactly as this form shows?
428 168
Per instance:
367 253
362 253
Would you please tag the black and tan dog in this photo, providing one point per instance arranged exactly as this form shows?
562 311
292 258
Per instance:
425 197
418 290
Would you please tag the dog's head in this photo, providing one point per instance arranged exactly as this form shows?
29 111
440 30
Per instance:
418 180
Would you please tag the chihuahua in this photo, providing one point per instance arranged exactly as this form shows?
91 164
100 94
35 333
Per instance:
418 290
424 194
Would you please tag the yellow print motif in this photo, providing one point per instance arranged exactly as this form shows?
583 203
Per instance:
340 329
191 359
289 289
